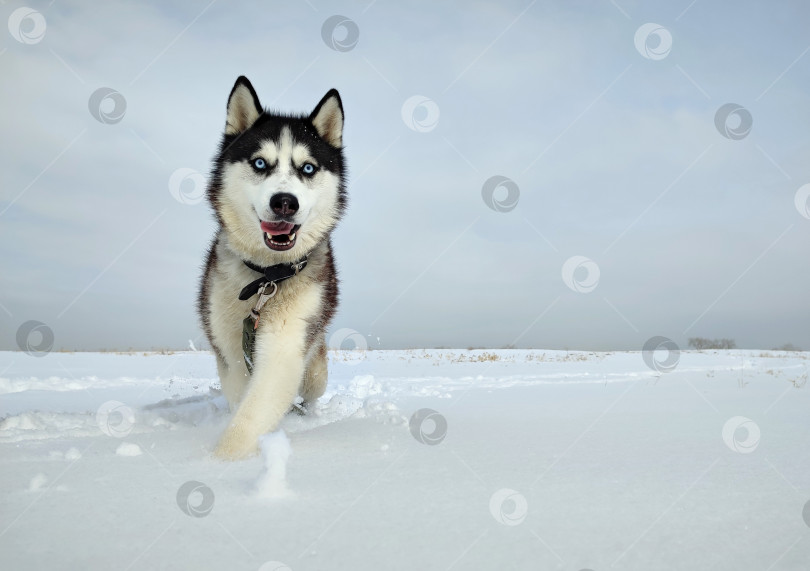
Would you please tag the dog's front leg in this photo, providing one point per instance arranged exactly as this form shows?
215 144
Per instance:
273 386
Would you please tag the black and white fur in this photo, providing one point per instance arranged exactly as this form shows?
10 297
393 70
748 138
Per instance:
290 352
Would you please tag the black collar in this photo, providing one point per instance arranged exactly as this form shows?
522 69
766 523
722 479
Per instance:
272 274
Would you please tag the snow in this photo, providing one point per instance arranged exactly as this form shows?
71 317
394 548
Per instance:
128 449
37 482
435 459
276 450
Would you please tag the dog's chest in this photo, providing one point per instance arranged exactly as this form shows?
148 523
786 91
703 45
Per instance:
296 298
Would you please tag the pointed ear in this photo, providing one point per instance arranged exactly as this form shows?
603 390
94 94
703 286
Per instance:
243 107
328 118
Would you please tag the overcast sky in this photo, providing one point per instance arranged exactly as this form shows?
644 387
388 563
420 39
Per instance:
632 200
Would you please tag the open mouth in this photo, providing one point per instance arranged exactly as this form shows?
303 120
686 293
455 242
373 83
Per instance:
279 236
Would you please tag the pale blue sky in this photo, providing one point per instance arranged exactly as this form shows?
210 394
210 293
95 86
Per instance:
616 158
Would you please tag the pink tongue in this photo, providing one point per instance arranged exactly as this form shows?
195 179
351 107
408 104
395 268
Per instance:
276 228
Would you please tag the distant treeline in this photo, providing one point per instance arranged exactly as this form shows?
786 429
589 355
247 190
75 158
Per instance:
700 343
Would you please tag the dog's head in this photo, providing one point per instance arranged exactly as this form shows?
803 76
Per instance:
278 182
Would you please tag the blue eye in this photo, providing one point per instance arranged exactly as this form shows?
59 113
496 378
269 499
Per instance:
308 168
259 164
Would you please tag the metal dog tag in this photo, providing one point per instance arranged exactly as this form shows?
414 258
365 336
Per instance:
251 323
248 341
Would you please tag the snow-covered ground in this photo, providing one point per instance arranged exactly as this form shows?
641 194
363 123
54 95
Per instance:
438 459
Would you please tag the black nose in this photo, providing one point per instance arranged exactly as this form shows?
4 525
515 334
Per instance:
284 204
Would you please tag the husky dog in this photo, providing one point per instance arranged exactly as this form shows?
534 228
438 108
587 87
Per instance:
269 288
